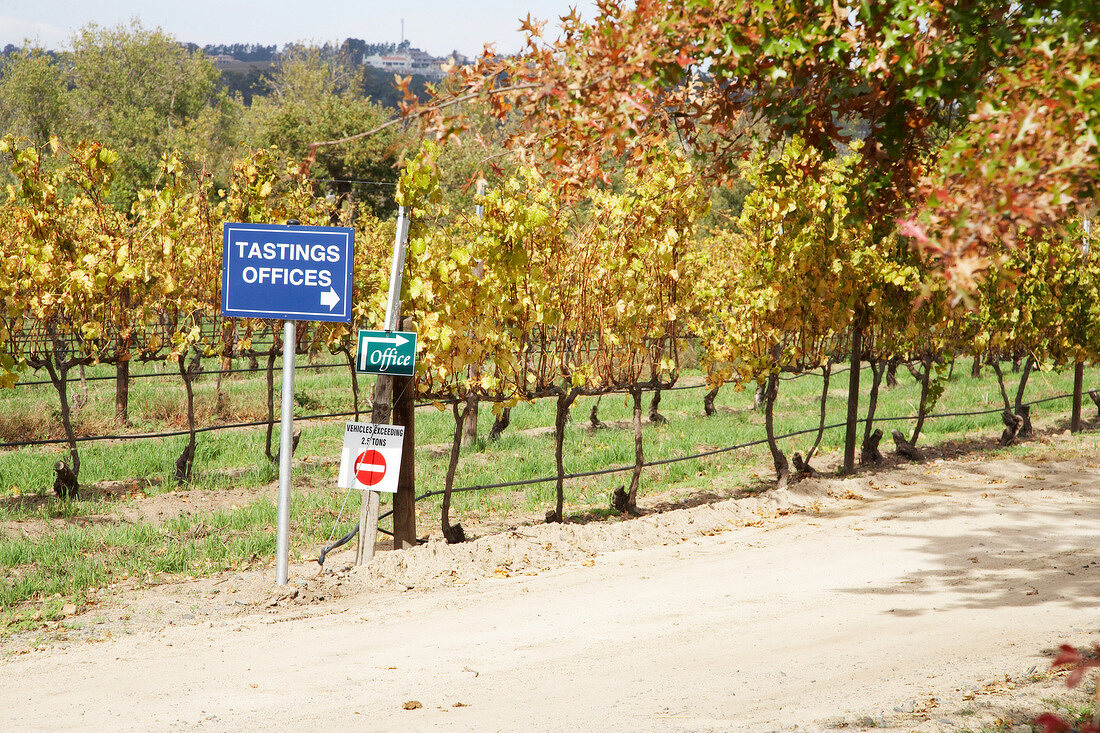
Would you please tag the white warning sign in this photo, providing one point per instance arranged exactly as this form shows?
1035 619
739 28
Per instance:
371 457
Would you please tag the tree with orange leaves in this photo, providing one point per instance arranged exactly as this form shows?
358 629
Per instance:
1015 77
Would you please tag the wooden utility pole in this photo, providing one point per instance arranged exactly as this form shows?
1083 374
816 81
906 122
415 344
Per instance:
404 501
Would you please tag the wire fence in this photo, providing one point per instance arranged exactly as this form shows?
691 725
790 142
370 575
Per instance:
170 373
256 423
261 349
329 415
660 462
716 451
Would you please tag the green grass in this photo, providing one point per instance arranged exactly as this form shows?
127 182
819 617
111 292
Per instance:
85 545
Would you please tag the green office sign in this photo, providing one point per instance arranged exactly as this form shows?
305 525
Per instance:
390 353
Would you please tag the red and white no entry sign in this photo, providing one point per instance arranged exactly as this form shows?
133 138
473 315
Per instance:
371 458
370 467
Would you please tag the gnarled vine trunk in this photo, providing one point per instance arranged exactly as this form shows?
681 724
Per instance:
454 533
67 482
270 374
922 409
561 416
500 424
708 401
869 451
1024 411
188 372
122 391
630 504
826 372
346 351
654 415
782 469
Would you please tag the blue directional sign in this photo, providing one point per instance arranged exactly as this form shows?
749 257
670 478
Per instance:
295 273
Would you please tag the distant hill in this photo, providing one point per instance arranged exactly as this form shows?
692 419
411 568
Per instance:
245 66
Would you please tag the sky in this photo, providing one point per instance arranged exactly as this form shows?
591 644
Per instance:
436 26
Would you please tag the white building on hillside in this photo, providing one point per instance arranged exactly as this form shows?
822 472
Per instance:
413 61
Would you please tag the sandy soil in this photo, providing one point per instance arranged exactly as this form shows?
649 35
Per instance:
918 597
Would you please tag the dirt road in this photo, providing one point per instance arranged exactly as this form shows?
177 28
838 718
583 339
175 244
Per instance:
886 600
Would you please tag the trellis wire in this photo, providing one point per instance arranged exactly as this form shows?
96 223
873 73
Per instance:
694 456
329 415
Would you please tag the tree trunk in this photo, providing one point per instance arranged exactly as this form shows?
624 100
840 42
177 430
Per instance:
782 470
58 369
996 364
221 402
1013 423
639 458
922 407
81 399
869 451
593 415
708 401
1024 411
65 483
354 379
758 398
1078 389
976 367
122 391
826 372
469 427
561 412
654 415
454 533
225 363
905 448
270 402
892 373
188 372
500 424
122 366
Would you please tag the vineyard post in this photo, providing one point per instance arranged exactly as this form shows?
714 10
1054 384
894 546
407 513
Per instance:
1078 387
469 430
368 510
404 499
853 396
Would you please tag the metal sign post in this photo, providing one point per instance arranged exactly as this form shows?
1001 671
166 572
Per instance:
292 273
286 449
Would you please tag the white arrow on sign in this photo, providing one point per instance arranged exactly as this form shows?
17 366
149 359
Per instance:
397 339
329 298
